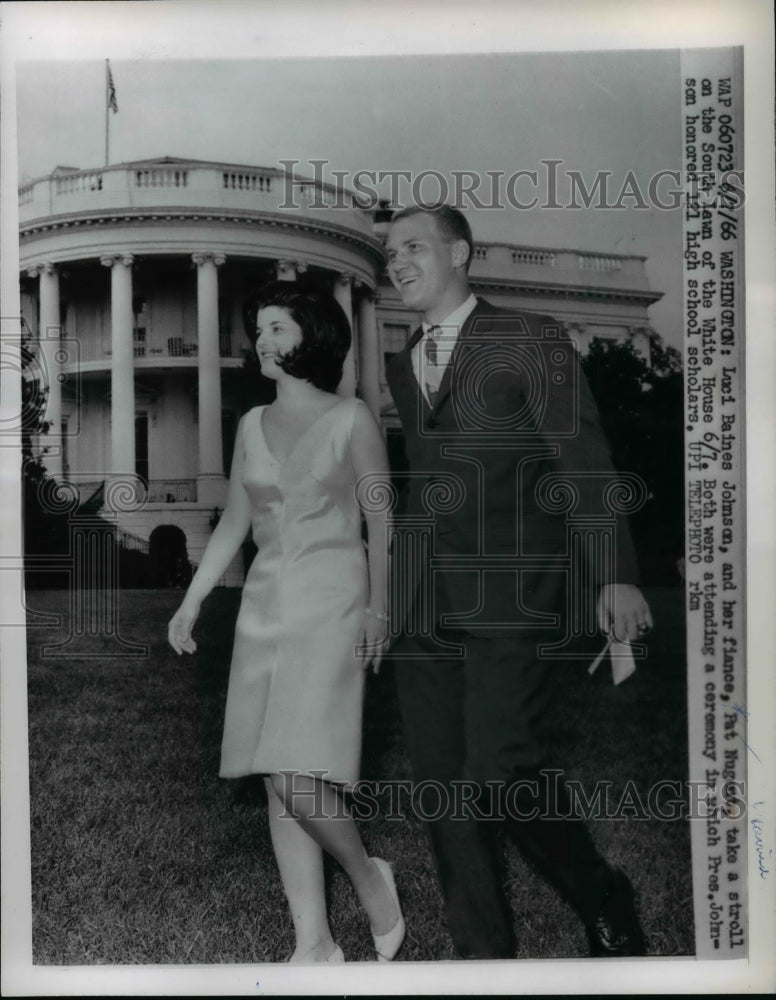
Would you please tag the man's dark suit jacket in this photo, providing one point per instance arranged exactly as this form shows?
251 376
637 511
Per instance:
511 448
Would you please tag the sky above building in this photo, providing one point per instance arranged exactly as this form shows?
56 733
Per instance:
601 117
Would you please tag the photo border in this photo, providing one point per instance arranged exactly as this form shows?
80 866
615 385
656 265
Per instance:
352 28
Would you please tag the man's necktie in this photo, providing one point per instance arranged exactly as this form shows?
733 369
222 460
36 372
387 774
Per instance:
432 373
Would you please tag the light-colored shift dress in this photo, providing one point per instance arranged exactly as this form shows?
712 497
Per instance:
296 686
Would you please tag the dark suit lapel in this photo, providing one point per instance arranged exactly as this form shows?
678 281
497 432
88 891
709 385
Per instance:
412 342
462 345
401 365
405 388
411 374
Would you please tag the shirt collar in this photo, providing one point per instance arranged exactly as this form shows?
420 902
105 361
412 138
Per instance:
457 317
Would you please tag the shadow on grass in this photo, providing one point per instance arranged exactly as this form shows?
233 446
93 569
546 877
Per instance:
142 855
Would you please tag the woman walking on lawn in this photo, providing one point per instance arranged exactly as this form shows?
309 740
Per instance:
313 612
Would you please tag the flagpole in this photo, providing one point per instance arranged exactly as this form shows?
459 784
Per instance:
107 109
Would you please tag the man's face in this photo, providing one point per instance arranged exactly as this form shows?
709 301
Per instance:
420 263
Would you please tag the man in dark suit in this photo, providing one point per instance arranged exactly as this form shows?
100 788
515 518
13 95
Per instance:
502 434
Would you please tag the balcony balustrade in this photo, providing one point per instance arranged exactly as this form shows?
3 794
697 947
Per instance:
172 491
187 185
157 349
569 268
158 490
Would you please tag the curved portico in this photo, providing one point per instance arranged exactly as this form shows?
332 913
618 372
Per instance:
152 226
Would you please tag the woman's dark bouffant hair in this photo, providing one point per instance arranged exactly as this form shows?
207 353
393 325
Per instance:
324 325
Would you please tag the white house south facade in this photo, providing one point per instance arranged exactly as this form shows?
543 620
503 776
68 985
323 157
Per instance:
133 280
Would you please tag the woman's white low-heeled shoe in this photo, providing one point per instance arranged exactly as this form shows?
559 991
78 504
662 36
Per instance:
387 945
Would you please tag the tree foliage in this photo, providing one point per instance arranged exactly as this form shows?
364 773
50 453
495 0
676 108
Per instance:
44 532
641 403
47 509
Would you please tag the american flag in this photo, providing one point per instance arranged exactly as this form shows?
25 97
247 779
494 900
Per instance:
112 102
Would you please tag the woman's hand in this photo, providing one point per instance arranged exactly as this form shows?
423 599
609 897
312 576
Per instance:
179 629
374 639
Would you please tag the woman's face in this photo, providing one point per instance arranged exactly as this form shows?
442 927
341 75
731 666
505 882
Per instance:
278 335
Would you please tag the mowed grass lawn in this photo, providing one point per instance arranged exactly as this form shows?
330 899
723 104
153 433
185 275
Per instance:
142 855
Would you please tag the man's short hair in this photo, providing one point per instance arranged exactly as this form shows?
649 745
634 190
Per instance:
451 223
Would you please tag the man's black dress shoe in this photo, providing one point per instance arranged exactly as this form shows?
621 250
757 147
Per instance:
615 931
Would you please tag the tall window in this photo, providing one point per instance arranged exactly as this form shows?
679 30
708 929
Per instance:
65 456
139 326
224 327
397 459
228 434
141 446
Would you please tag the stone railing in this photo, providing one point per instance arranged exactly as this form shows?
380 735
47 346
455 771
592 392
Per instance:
599 262
157 491
172 491
546 265
536 258
247 180
97 348
177 347
132 542
173 177
187 184
85 180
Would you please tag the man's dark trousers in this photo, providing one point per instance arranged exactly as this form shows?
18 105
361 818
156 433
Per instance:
476 719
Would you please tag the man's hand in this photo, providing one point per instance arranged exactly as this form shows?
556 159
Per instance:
623 611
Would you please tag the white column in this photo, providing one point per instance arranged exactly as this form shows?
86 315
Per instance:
49 333
369 347
289 270
122 384
343 295
211 484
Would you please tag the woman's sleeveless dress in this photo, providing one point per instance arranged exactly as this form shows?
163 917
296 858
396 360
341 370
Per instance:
296 687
